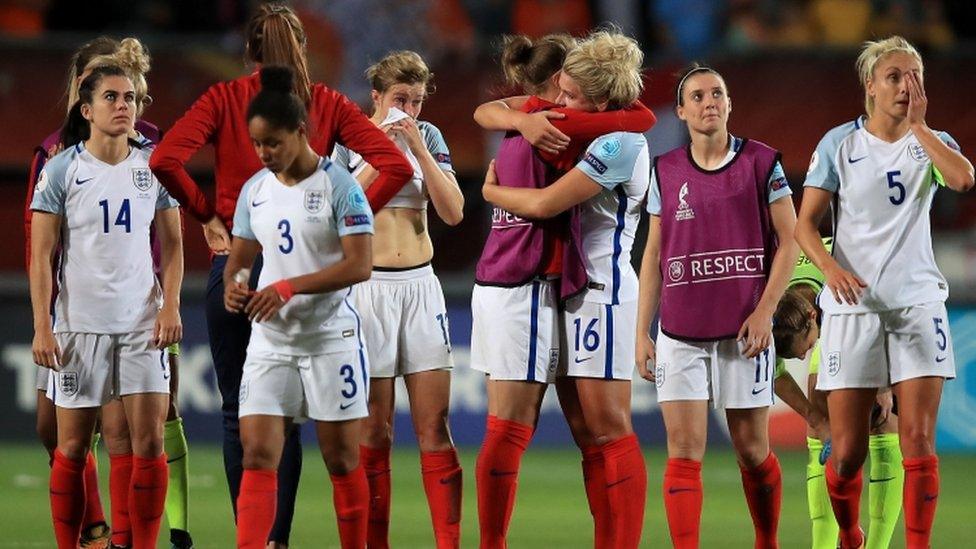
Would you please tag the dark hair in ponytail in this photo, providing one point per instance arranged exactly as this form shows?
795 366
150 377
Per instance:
76 128
529 63
275 36
277 102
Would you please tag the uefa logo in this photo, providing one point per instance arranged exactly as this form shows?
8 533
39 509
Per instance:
676 270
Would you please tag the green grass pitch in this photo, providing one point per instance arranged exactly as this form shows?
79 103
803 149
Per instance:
551 509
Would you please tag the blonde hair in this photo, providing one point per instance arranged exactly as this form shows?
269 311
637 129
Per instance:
132 57
275 36
874 51
103 45
400 67
529 63
607 67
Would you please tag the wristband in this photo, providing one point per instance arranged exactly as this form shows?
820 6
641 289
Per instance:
284 288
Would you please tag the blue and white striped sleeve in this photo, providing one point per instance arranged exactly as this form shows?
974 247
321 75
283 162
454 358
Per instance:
778 185
51 189
350 209
822 173
610 159
242 213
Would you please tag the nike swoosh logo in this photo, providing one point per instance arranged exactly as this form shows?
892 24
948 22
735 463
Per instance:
880 479
855 160
181 456
83 181
677 490
931 497
755 392
578 361
621 481
940 359
347 405
451 479
347 519
497 473
255 203
139 488
814 476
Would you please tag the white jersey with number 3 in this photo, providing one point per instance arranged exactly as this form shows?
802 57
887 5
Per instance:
106 280
882 196
299 228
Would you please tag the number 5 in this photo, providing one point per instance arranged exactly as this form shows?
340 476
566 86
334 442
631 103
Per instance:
893 184
940 333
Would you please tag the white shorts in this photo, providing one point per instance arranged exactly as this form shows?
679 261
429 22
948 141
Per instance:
43 374
863 350
515 331
715 371
404 322
599 339
97 368
329 387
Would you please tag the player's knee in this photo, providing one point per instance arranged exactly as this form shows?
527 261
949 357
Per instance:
340 461
917 441
847 466
378 433
74 448
433 435
147 445
259 456
47 433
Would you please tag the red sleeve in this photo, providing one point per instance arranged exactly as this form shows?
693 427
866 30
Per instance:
190 133
358 134
583 127
37 164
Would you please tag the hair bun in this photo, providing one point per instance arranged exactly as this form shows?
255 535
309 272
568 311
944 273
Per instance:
277 78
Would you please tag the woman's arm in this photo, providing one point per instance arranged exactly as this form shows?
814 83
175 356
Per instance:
355 266
357 133
169 327
790 393
37 164
45 234
571 189
648 298
956 170
507 115
845 286
442 187
757 330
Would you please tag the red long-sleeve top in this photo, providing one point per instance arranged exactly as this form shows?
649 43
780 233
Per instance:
219 117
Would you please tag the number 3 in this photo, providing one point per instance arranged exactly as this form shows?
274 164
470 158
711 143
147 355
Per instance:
348 374
285 227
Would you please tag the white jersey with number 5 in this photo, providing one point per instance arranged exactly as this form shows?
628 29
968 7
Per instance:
106 280
882 196
299 228
619 162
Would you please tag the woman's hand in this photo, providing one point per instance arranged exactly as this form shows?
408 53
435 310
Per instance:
646 354
407 128
264 304
169 327
218 239
236 295
47 352
756 332
538 131
491 180
845 285
918 103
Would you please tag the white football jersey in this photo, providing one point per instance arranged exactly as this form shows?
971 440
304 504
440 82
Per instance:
882 196
620 163
106 281
299 228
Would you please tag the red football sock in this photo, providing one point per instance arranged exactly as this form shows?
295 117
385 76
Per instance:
147 495
256 503
683 501
626 486
921 498
67 499
376 462
763 486
119 480
496 474
93 501
442 482
595 482
350 495
845 498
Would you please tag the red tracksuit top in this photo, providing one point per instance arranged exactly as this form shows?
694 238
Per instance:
219 117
